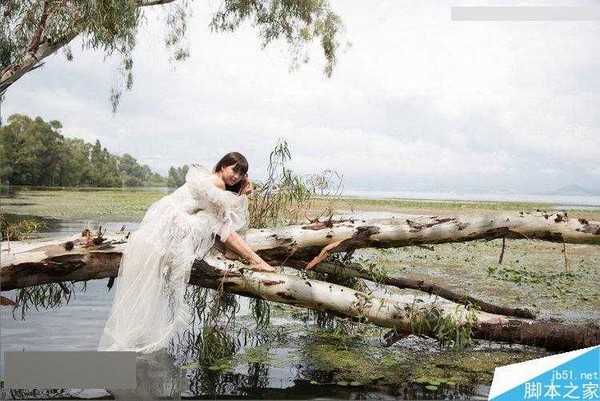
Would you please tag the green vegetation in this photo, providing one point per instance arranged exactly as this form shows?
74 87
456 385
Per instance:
34 152
14 228
46 296
128 204
362 361
452 330
33 30
532 274
465 368
280 198
422 206
561 285
176 177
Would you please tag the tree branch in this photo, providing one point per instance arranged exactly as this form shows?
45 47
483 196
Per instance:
355 270
149 3
13 72
37 36
41 48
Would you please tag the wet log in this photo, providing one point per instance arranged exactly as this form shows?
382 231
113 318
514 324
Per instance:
302 243
53 258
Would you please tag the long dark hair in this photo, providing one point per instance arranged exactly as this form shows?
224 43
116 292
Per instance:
241 166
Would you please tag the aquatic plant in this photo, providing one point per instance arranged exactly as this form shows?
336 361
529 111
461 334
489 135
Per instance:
281 197
46 296
452 330
14 228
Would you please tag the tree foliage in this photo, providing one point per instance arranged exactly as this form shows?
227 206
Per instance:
176 177
31 30
34 152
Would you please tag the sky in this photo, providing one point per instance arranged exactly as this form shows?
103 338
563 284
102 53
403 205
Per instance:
416 102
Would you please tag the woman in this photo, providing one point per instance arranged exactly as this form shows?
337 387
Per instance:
149 306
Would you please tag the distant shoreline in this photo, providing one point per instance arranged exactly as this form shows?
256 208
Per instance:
569 201
130 204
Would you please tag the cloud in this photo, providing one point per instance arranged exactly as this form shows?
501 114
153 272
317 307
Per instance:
417 102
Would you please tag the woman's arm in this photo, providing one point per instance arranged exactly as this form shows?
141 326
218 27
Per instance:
239 246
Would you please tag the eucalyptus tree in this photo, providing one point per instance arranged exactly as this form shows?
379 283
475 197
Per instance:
32 30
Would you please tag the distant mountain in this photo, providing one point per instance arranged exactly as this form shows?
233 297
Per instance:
574 189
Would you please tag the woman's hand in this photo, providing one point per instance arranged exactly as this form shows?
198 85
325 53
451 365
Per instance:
247 187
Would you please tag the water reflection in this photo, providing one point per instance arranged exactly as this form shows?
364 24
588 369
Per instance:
225 370
157 377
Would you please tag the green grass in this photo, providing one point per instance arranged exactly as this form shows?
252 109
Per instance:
72 204
532 274
417 206
130 204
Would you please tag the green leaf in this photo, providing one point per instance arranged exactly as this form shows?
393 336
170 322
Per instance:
192 365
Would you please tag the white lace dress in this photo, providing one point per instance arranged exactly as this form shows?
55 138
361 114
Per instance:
149 307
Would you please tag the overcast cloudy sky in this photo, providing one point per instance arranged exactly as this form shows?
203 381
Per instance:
417 102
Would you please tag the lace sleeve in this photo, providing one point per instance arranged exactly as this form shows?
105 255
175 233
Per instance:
231 209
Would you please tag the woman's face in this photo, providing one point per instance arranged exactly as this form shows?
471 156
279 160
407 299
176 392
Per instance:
230 175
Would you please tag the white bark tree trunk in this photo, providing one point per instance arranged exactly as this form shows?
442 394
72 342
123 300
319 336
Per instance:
52 263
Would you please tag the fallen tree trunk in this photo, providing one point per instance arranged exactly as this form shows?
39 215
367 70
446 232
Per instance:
52 262
398 315
297 245
304 243
301 243
356 270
